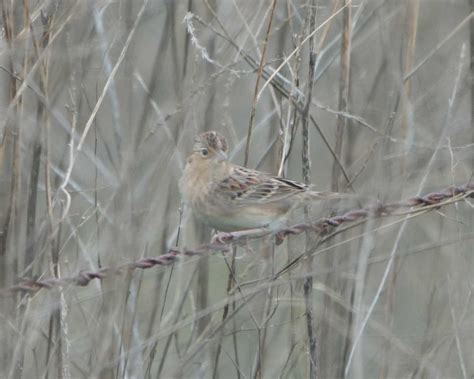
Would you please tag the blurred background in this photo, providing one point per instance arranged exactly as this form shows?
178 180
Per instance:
100 102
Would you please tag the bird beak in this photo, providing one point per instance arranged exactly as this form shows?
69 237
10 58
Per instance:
221 156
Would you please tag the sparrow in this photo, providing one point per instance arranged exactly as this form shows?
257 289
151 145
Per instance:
231 198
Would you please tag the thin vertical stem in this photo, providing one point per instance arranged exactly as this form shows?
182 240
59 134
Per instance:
411 22
257 84
230 286
344 83
471 27
305 156
343 90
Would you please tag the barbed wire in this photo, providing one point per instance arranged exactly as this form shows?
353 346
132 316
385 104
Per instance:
223 242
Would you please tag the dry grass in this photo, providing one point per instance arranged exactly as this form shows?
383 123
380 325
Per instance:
100 103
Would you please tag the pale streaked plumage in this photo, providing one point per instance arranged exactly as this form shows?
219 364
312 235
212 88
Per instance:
229 197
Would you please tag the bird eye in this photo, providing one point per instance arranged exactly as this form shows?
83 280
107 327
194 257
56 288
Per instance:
204 152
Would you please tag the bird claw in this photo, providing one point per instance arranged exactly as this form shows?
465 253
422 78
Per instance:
222 238
280 237
225 238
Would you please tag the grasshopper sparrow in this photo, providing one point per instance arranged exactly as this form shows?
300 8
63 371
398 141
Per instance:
232 198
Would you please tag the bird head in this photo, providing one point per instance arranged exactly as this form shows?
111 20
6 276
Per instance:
211 145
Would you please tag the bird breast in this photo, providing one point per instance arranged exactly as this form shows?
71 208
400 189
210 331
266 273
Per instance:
199 178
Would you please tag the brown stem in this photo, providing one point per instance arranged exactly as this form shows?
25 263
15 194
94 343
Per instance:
257 84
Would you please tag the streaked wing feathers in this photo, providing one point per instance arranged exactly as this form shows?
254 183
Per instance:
246 187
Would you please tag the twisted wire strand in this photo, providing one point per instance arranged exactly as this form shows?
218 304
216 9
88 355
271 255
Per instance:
223 241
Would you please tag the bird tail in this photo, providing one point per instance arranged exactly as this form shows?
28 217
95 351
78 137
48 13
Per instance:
327 195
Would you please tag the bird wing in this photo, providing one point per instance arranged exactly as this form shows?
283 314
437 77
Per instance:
245 187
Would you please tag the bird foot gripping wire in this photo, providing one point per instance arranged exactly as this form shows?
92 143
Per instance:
222 238
240 236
